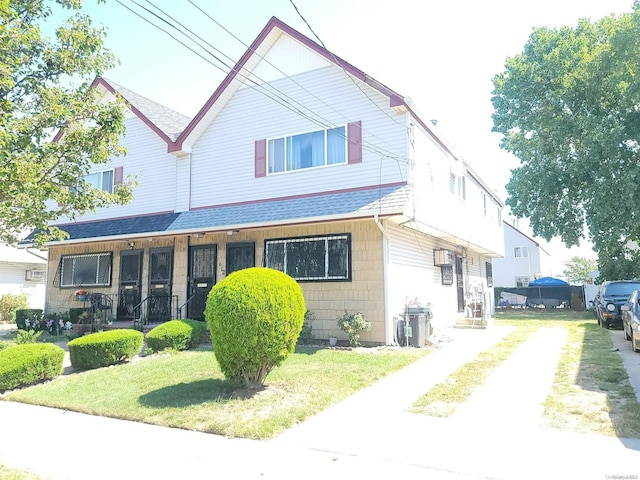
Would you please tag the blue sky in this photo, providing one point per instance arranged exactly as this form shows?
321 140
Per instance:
441 54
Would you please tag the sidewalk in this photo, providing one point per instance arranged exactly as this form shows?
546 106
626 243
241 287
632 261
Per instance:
367 435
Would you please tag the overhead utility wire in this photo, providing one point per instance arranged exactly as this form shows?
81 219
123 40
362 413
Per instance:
343 69
388 153
324 123
275 98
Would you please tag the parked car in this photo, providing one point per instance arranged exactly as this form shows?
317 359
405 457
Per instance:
631 320
610 298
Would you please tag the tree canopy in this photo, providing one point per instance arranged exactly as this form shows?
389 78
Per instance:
579 269
568 108
53 126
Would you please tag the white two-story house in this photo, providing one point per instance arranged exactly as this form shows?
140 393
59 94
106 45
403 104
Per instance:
299 161
524 260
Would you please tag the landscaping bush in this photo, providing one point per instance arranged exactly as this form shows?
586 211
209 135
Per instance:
5 344
9 303
104 348
352 324
254 316
74 314
176 334
29 319
23 365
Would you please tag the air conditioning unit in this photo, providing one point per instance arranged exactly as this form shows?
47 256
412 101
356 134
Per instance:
34 275
442 257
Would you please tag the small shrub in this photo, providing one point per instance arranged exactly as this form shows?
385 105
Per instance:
27 336
74 314
23 365
104 348
29 319
352 324
254 316
5 344
9 303
176 334
306 333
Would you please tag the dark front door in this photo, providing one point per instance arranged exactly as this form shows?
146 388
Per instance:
240 255
160 275
130 284
202 277
460 283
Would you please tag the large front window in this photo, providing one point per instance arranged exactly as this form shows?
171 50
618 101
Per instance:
311 258
313 149
85 270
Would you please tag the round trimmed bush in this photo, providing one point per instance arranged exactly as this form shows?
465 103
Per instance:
23 365
176 334
104 348
254 316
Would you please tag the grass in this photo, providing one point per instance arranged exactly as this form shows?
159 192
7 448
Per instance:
187 390
591 392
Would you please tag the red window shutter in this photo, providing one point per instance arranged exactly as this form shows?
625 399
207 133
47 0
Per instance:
117 176
261 158
354 141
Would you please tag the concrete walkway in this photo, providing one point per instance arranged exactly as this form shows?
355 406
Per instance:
495 435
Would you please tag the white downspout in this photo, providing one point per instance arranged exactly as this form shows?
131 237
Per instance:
388 325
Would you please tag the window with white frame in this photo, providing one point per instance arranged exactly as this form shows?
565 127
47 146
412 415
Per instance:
522 282
499 216
312 149
452 183
462 187
101 180
483 197
319 258
520 252
85 270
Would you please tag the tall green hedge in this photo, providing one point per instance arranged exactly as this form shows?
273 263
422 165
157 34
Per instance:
104 348
176 334
254 316
23 365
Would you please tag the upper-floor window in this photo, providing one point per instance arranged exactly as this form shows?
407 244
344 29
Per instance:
522 282
462 187
520 252
452 183
86 270
319 258
483 197
101 180
313 149
499 216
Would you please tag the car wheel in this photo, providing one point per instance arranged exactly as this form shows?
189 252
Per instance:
626 335
633 343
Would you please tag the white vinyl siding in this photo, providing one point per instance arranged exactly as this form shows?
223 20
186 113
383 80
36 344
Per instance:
227 148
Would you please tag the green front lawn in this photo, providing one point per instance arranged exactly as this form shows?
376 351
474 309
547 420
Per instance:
187 390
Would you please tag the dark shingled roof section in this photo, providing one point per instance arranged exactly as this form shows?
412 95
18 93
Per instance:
358 203
288 209
172 123
121 226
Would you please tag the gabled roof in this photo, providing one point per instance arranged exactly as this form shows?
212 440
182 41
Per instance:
341 205
537 244
167 123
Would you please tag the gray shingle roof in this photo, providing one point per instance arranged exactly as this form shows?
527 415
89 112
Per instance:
329 206
172 123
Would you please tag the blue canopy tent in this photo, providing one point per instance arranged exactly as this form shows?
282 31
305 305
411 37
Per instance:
547 291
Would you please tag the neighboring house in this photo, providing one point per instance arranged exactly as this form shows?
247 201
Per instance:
23 271
524 261
300 162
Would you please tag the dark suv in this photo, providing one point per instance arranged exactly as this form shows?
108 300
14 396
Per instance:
611 296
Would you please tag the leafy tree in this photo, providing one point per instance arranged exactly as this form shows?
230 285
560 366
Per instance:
45 89
568 108
579 269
